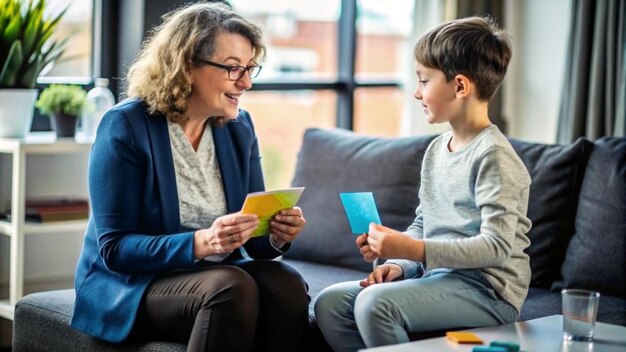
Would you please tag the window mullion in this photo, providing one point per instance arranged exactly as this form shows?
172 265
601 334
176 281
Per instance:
346 64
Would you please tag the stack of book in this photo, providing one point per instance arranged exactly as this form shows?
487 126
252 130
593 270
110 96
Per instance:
56 209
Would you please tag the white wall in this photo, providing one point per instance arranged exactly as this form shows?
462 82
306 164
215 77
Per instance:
427 14
532 89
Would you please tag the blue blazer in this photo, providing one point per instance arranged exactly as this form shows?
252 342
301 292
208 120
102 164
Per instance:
134 230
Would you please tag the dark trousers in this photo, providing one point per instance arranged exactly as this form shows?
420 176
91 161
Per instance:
253 306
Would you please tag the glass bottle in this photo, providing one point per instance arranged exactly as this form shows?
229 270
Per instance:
99 100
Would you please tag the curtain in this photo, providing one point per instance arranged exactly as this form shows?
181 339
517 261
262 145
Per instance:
594 92
495 9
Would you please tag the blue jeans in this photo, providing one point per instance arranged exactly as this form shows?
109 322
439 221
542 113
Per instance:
352 317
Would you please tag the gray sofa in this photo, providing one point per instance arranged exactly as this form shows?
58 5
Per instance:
577 205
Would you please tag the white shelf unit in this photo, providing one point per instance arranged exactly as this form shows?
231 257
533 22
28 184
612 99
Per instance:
17 228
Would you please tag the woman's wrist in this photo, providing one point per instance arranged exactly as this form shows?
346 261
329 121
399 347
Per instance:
201 247
277 242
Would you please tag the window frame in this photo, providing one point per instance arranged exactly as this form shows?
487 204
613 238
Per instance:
344 84
110 46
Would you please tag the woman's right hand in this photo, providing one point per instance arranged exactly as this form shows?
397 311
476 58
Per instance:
383 273
226 234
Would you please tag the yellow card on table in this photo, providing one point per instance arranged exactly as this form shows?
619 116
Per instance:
268 203
463 337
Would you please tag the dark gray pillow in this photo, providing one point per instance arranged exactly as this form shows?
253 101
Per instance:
335 161
596 256
556 172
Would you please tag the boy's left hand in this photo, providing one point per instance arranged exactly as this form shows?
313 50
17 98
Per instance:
286 226
383 273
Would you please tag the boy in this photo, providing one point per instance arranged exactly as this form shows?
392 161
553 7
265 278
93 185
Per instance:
462 262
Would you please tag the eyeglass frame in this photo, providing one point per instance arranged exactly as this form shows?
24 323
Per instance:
230 68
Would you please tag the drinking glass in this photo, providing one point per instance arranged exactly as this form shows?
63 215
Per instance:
580 308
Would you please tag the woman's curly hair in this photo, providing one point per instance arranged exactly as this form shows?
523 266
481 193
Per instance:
157 75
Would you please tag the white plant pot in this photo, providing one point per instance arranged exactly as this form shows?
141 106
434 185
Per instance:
16 112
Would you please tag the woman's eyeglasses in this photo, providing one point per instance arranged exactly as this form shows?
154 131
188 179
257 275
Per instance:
235 72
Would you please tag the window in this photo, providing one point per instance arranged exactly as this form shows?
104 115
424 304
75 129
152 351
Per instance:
383 58
76 62
383 39
280 119
378 111
292 92
75 65
301 37
330 63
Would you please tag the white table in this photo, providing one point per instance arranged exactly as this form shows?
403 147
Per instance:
543 334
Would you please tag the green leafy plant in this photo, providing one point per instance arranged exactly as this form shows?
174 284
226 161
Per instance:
25 44
61 99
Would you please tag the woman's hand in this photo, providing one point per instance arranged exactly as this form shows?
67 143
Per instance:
286 226
383 273
226 234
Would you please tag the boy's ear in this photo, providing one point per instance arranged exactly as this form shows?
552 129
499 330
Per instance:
462 86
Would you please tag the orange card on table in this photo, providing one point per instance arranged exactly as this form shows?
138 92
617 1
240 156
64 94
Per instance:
463 337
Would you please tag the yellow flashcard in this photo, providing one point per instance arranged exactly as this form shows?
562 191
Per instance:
267 204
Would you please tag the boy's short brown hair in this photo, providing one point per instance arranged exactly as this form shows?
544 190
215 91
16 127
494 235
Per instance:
475 47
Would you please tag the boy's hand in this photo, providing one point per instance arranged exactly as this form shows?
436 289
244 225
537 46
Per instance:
383 273
389 243
385 242
368 255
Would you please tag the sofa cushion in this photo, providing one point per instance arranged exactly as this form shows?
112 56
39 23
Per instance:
319 276
335 161
596 256
42 323
556 172
542 302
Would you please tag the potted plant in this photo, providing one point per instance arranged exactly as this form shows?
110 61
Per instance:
25 50
64 104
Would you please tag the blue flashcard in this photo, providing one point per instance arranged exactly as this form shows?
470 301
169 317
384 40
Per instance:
361 210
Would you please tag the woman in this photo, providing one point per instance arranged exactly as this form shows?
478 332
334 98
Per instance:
163 256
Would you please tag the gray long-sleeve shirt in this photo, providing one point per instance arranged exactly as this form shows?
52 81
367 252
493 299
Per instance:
472 212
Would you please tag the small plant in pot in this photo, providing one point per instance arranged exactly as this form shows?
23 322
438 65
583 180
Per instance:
64 104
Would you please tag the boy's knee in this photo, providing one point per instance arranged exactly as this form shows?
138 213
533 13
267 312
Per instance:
322 302
328 301
374 304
